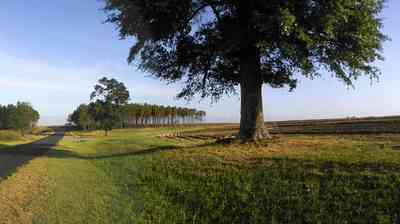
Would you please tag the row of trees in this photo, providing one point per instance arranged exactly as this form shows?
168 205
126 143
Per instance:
137 115
21 116
145 114
110 109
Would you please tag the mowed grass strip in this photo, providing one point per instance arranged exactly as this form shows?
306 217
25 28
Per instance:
138 177
86 183
23 196
135 176
10 138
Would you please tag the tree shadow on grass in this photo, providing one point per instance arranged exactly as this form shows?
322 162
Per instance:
13 157
326 166
64 154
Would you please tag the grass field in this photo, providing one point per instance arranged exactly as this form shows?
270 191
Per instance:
11 138
136 176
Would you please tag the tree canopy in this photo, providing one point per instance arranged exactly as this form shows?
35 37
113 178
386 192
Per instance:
82 118
110 91
216 45
21 116
110 109
105 114
109 95
139 115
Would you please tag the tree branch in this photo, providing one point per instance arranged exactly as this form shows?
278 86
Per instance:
214 9
212 6
196 12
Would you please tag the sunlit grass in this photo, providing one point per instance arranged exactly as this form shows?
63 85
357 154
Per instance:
138 176
12 138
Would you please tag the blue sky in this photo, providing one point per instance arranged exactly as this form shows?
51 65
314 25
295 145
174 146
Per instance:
52 52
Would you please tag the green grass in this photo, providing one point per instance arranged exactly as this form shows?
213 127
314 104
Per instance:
10 138
85 188
133 176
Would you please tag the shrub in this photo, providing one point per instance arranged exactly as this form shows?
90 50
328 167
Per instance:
9 136
40 130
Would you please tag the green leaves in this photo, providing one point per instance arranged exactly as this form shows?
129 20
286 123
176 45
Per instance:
111 95
105 114
288 22
21 116
200 42
112 91
82 118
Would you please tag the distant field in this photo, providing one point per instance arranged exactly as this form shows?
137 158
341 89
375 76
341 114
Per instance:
369 125
10 138
340 126
149 176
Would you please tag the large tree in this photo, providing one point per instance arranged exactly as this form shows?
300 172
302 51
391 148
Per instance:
111 91
82 118
105 115
110 96
216 45
24 117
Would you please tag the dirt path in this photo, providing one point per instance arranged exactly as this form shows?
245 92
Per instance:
13 158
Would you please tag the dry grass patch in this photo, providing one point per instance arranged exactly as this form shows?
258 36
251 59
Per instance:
300 147
22 196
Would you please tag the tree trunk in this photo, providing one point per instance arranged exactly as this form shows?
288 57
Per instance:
252 126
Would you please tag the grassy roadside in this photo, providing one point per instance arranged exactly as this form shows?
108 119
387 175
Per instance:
136 177
133 176
23 196
12 138
87 183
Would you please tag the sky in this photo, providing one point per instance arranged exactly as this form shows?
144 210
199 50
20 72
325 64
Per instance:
52 52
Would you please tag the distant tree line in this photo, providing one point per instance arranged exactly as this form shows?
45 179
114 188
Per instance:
138 115
146 114
110 109
21 117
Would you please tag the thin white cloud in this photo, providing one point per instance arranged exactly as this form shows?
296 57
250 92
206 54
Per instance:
15 83
39 75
